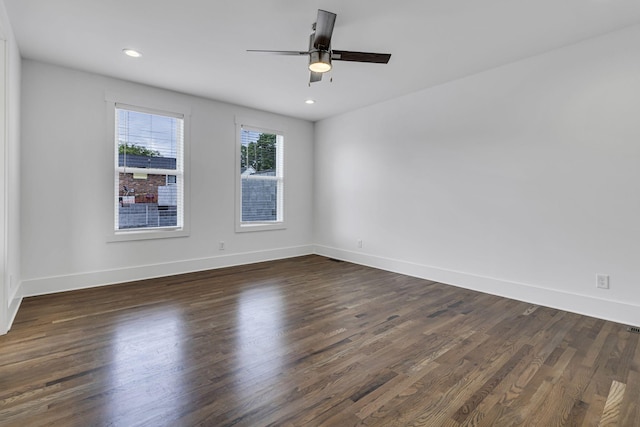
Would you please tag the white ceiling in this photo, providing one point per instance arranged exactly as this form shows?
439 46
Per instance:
199 46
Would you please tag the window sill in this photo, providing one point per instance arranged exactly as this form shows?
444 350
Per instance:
260 226
141 234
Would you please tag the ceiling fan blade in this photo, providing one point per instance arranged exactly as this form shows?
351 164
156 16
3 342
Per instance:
324 29
314 77
345 55
280 52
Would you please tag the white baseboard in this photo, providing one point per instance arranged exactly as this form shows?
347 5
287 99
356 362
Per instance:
48 285
616 311
15 299
14 305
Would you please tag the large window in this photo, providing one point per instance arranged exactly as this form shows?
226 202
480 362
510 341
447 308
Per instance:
260 178
149 169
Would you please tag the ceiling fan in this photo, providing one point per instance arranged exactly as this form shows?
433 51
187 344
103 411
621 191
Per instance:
320 52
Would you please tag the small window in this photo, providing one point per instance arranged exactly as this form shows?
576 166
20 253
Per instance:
260 179
149 169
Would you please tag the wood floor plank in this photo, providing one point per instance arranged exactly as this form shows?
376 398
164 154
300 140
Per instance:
630 407
310 341
611 413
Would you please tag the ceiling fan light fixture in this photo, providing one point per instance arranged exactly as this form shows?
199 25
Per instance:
320 61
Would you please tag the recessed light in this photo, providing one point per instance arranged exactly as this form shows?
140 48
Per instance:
309 101
132 53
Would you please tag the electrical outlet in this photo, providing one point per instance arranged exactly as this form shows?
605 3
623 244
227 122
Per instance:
602 281
359 243
221 245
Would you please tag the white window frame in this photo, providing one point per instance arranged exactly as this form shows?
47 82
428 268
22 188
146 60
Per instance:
279 223
114 101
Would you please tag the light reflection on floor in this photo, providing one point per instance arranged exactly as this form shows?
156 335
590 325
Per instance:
146 355
259 340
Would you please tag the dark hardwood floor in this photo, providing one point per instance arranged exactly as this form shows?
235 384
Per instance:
311 341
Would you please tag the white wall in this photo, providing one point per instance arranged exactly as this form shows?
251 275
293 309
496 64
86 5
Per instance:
10 174
522 181
67 186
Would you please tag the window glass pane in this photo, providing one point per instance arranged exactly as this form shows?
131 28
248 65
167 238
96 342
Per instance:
258 153
146 201
147 140
259 200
